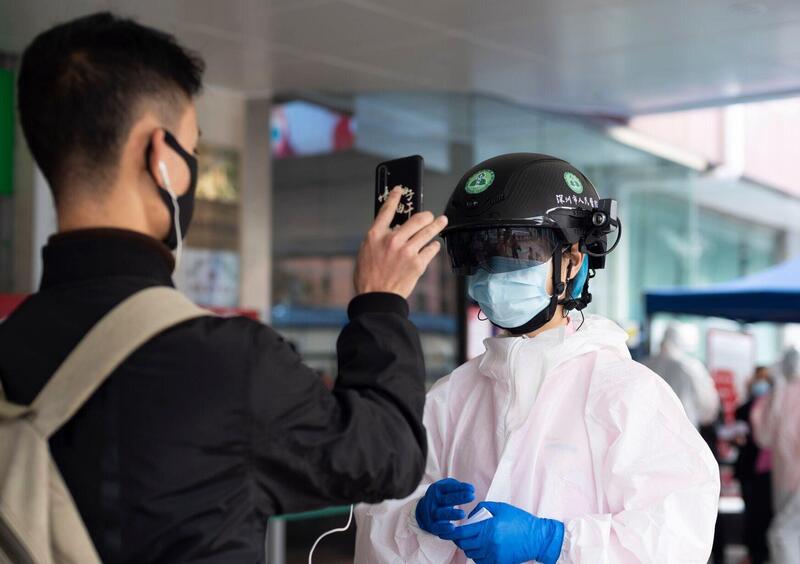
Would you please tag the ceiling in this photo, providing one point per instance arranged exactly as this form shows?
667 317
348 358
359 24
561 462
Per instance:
610 57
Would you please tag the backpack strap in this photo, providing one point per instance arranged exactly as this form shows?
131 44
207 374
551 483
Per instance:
116 336
10 410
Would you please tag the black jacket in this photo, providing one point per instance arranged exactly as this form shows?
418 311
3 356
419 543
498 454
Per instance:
214 425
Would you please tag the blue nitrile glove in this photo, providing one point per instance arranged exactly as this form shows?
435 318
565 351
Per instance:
512 536
436 509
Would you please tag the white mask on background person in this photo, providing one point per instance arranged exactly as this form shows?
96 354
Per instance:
760 388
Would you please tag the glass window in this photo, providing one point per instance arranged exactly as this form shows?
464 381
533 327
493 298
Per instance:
682 227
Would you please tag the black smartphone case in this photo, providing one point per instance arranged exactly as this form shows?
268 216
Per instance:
406 172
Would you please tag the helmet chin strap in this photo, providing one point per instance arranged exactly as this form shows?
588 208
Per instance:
544 316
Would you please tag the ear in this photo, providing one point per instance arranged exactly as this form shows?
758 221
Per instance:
574 257
157 158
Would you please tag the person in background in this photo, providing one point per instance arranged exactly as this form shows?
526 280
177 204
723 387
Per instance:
775 419
753 470
686 375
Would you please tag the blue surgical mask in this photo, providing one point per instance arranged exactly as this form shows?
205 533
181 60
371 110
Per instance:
511 299
759 388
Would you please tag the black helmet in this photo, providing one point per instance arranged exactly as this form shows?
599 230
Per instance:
516 210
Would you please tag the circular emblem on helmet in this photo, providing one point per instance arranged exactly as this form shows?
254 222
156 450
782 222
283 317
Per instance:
573 182
479 181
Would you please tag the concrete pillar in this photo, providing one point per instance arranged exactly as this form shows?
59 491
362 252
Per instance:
792 244
256 209
461 116
23 253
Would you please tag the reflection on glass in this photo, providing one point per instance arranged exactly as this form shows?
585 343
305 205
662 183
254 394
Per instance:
218 174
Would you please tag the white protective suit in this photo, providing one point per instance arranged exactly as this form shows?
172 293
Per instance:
687 377
775 420
565 426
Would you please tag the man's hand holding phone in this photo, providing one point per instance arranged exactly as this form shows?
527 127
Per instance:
392 260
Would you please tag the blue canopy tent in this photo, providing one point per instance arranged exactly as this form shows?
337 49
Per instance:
772 295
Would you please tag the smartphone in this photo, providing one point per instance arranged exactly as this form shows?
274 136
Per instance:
405 172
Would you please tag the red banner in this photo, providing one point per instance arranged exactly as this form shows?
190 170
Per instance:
10 302
725 381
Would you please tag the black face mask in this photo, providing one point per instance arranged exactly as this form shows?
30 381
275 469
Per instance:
185 201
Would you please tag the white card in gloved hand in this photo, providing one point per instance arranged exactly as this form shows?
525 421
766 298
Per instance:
481 515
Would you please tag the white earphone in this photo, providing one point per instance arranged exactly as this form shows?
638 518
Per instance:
162 168
332 531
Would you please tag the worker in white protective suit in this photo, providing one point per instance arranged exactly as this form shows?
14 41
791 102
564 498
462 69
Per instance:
775 420
552 446
686 375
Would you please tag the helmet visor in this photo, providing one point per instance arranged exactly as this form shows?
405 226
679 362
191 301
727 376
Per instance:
500 249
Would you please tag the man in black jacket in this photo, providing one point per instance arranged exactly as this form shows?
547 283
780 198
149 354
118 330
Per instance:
214 425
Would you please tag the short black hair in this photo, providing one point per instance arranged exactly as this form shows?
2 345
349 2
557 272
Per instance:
81 85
